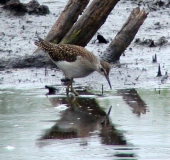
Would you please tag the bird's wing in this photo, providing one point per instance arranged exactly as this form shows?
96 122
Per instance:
65 52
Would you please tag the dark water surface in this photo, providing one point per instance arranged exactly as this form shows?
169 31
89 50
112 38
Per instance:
36 126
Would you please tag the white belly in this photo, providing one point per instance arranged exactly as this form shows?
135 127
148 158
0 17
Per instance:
76 69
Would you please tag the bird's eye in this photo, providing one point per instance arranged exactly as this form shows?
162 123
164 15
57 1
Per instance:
101 69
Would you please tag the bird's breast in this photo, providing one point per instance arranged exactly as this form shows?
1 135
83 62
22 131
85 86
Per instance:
77 69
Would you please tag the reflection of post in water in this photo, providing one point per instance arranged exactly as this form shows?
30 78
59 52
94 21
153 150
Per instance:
133 99
83 118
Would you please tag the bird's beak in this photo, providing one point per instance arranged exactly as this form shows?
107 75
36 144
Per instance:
107 77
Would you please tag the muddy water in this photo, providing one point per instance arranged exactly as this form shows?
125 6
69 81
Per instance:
35 125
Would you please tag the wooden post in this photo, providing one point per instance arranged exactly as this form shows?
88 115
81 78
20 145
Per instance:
66 20
81 36
125 36
88 24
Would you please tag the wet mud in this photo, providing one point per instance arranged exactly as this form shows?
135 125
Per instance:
135 69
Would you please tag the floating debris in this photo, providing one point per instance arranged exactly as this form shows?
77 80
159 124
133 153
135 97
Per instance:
9 147
51 89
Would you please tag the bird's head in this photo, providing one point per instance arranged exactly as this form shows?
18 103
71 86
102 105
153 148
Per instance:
104 69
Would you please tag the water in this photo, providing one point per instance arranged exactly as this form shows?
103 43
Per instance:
36 126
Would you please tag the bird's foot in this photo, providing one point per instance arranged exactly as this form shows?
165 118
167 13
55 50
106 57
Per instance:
72 90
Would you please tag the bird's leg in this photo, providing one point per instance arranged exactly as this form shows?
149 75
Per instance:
68 86
72 89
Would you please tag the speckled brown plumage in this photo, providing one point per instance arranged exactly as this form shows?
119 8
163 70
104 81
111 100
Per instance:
63 52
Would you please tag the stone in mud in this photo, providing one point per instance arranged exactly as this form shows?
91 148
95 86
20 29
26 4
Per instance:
33 7
151 43
16 7
147 42
101 39
4 1
153 5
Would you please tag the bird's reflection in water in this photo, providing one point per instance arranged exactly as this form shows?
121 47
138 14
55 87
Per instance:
83 118
132 98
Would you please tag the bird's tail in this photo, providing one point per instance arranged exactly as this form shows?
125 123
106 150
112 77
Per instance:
44 45
39 41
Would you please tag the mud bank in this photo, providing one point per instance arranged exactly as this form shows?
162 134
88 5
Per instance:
136 68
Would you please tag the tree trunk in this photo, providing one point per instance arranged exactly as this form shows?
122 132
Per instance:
125 36
65 21
82 32
88 24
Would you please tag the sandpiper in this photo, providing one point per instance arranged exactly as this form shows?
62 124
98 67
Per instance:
74 61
